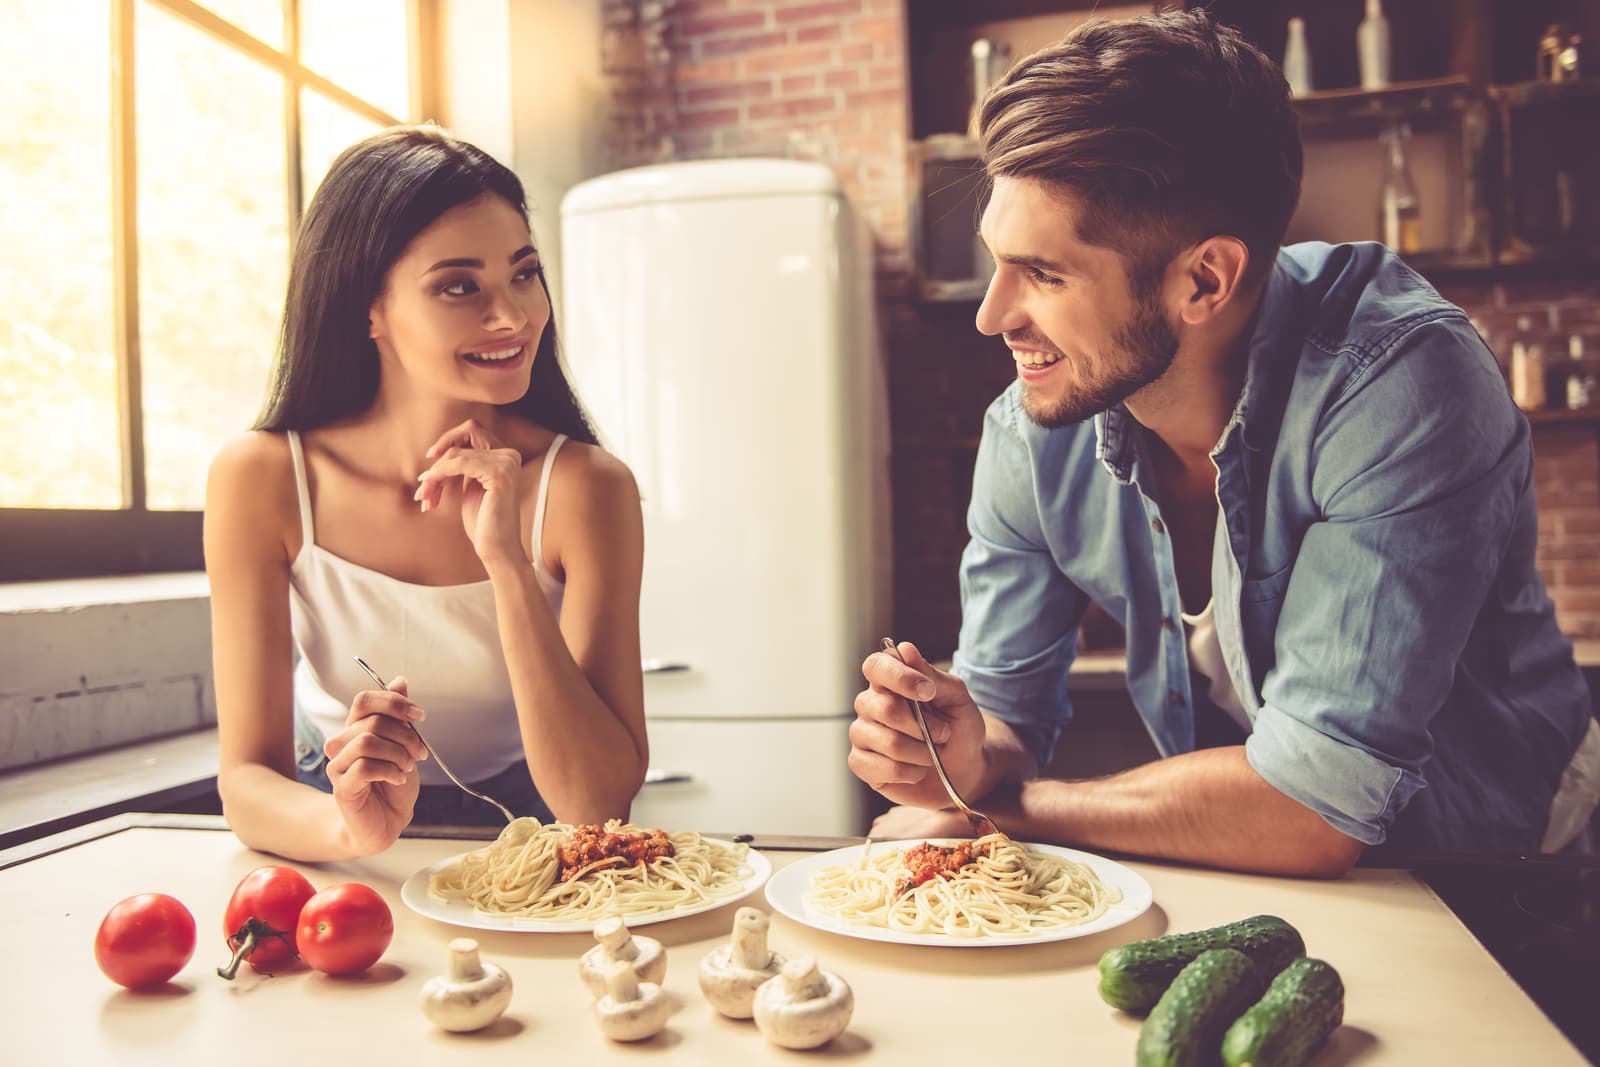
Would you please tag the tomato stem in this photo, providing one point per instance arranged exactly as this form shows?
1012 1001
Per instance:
246 938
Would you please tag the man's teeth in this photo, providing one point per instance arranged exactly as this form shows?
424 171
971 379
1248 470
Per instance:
495 357
1035 359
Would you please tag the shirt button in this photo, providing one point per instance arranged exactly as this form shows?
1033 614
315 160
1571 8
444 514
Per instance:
1167 624
1174 696
1155 524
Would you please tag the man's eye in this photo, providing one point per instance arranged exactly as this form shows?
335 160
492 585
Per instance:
1041 277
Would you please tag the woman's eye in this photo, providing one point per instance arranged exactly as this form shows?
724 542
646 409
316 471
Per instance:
528 274
460 288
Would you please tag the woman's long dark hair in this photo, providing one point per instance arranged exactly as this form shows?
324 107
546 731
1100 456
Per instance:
378 195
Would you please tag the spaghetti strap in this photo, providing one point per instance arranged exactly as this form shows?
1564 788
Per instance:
539 502
303 487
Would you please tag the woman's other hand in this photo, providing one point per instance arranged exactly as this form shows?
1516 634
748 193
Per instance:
491 512
372 764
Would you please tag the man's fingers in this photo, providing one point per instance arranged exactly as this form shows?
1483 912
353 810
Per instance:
892 711
879 771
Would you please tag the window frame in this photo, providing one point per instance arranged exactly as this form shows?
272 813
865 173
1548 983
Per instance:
45 543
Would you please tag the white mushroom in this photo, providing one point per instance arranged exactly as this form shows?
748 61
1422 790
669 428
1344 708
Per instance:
470 995
731 974
631 1010
803 1007
644 953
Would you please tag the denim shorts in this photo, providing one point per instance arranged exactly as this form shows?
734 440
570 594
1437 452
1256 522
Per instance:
437 805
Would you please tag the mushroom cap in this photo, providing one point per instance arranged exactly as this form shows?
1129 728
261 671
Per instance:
461 1006
648 958
804 1007
729 988
625 1018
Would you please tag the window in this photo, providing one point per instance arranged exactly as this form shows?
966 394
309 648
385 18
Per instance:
156 156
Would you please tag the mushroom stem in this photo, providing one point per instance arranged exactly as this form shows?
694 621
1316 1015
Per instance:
463 964
622 983
749 939
804 980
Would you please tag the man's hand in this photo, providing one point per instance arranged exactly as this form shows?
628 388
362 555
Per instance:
886 747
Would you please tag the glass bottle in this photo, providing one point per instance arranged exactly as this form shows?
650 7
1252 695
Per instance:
1399 213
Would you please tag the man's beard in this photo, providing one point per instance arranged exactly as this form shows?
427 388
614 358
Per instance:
1141 351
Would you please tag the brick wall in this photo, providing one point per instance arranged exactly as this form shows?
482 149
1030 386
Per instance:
823 80
1566 454
828 80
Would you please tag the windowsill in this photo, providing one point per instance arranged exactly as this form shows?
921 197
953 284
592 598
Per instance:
66 593
169 773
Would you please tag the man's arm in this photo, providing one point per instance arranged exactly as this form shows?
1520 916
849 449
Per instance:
1208 807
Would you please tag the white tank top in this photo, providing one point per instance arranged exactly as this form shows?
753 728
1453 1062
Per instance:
443 638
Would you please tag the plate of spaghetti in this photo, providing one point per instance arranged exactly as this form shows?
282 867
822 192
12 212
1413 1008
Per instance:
559 878
965 893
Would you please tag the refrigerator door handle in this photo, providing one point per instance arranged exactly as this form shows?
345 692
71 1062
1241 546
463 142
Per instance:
662 666
655 776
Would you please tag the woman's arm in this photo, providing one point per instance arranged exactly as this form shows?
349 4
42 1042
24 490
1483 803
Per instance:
578 687
248 498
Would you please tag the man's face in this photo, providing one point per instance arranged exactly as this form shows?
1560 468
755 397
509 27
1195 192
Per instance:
1082 339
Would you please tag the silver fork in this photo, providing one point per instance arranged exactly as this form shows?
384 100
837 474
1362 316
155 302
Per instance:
981 823
465 788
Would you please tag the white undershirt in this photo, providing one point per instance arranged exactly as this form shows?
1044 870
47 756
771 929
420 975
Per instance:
1205 656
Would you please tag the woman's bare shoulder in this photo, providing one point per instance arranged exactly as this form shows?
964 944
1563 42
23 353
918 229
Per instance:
251 485
590 472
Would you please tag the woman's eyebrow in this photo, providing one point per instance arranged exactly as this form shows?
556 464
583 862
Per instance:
477 264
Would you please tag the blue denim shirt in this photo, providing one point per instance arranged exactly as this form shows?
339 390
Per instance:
1376 599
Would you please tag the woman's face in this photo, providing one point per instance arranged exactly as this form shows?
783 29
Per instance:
463 308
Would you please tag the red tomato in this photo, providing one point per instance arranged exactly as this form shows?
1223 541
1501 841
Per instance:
144 940
345 928
260 921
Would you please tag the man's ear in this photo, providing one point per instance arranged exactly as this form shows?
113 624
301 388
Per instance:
1213 277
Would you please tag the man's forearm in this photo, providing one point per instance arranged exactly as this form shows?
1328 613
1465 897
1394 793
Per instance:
1208 807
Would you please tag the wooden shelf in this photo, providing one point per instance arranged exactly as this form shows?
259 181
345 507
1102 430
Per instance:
1563 417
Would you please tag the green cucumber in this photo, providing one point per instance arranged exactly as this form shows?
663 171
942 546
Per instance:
1301 1007
1133 976
1186 1025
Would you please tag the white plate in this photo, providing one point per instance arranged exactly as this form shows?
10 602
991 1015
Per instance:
416 897
787 889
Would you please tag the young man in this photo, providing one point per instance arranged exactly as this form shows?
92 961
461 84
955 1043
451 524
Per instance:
1296 476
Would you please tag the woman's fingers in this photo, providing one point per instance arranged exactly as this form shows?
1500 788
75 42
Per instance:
469 434
494 469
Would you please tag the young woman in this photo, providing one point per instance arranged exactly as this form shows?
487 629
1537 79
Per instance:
422 491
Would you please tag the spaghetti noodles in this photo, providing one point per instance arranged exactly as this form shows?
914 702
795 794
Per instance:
562 873
991 887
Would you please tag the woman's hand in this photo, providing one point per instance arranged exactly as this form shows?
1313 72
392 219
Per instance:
886 747
372 764
491 512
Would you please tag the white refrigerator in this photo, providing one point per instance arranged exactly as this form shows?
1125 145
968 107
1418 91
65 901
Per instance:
717 323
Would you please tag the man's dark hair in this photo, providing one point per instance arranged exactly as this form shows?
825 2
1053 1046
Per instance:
1170 127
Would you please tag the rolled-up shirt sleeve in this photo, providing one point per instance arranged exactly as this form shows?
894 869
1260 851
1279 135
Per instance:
1419 470
1019 612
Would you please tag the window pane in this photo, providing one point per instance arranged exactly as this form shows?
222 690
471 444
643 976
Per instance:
361 45
326 129
261 19
58 372
213 246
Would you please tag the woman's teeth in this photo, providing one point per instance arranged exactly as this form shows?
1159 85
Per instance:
494 357
1035 360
